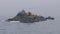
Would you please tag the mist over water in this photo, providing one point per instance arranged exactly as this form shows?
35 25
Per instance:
9 8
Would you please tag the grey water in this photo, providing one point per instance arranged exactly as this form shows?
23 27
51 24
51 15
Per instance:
44 27
9 9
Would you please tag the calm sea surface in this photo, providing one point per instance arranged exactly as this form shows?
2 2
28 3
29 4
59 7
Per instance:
44 27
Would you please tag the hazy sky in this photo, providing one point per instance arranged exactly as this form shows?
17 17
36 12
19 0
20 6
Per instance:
45 7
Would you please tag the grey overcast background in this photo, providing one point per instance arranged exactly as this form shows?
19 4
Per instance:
9 8
43 7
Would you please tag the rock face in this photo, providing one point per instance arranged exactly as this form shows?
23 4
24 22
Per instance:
28 17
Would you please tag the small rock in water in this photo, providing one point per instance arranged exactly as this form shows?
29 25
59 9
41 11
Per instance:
28 17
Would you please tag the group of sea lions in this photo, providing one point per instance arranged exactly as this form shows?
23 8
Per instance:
28 17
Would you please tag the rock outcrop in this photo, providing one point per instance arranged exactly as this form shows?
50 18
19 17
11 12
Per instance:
28 17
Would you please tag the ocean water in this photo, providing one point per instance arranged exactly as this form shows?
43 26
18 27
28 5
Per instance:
44 27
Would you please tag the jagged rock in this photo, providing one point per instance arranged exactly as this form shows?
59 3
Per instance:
28 17
50 18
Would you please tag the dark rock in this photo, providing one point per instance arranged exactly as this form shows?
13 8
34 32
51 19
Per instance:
50 18
28 18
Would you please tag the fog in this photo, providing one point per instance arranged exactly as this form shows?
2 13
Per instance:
43 7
